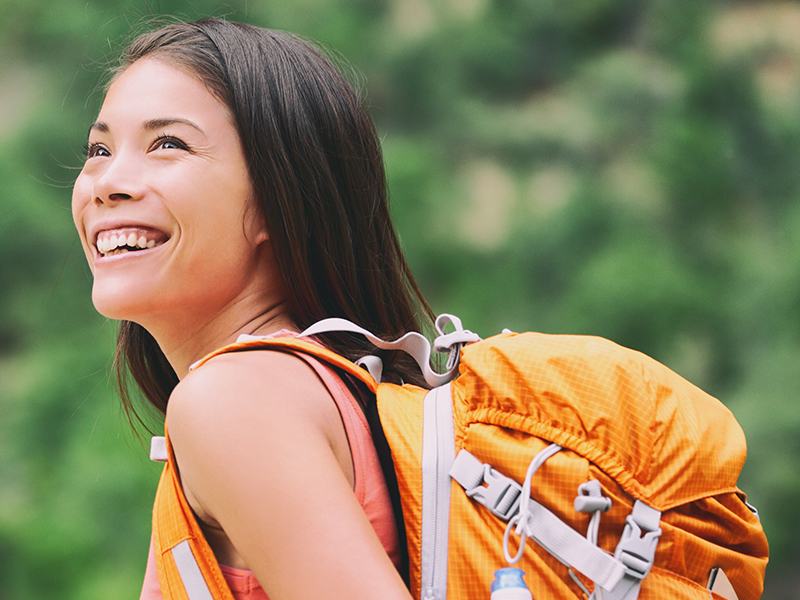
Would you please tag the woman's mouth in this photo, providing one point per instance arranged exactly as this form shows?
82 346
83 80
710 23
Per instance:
134 239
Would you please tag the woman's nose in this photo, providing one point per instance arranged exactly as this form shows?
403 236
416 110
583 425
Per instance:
121 180
115 197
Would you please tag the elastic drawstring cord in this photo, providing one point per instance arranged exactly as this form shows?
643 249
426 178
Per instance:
521 518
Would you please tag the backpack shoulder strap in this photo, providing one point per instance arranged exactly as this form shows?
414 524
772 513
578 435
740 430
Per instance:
185 563
293 344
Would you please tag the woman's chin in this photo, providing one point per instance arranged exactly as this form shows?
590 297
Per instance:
119 305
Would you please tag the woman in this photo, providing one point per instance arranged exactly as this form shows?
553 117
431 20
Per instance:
234 185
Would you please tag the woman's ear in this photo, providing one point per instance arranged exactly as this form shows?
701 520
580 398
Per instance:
255 227
261 236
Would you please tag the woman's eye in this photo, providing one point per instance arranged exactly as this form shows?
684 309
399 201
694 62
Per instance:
93 149
168 143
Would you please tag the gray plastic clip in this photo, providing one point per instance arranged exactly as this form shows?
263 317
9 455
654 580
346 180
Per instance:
158 449
501 495
635 550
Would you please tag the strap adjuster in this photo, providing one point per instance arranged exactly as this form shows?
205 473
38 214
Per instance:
636 550
501 494
158 449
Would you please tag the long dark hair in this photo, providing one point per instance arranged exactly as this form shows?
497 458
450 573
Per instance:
316 168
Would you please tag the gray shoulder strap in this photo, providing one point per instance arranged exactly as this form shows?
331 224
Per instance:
413 343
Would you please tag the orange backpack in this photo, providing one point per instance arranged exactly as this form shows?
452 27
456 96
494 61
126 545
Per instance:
595 469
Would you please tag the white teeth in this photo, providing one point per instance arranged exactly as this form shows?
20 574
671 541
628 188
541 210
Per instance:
118 243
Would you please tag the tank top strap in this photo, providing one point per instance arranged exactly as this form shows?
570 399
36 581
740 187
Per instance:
355 423
370 486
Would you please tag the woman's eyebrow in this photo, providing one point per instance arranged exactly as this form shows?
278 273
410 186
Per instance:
161 123
149 125
99 126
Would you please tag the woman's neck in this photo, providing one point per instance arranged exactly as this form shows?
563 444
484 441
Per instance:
185 341
186 332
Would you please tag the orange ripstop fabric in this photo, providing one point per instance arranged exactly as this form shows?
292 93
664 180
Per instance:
173 523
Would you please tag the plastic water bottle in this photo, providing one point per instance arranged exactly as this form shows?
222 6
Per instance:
508 585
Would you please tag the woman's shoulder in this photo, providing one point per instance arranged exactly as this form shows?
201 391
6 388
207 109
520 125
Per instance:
248 367
247 430
255 384
240 407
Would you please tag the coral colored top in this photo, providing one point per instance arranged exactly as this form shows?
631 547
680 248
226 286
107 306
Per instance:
370 488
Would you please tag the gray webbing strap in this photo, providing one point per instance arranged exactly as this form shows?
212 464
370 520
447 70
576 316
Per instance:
616 577
636 550
191 577
438 454
413 343
541 525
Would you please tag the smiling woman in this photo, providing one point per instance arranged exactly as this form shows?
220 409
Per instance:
165 164
234 185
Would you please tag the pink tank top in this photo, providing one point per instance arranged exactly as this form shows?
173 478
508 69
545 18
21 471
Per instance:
370 489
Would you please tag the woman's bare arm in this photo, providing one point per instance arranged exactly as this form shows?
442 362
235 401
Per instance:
260 447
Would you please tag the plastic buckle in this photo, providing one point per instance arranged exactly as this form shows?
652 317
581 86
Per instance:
636 551
501 494
447 341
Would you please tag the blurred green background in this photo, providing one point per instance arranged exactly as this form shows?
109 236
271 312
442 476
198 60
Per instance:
625 168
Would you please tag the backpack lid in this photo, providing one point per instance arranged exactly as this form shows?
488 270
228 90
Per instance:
665 441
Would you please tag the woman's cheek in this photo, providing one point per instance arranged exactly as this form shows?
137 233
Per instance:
81 196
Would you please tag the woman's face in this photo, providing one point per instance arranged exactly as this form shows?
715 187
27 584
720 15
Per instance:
163 205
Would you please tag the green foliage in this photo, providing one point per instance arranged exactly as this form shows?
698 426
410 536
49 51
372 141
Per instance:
624 168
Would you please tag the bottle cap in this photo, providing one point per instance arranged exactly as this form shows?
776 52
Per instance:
508 577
